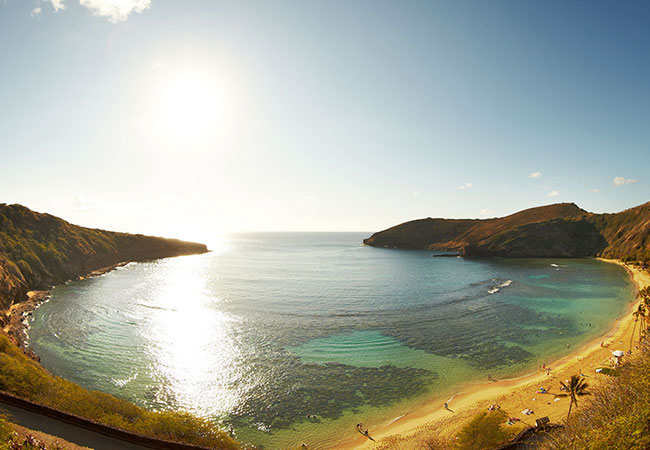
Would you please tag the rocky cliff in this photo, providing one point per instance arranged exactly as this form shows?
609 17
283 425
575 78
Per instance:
559 230
40 250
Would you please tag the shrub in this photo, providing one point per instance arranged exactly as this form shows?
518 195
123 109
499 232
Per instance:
484 431
21 376
618 415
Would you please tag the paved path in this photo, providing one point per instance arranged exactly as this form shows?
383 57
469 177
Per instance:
71 433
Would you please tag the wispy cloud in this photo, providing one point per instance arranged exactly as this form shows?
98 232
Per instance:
36 11
487 212
82 204
594 190
309 197
465 186
535 175
620 181
58 5
115 10
553 194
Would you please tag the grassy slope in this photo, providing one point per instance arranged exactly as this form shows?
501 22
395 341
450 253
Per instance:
560 230
24 377
38 250
616 417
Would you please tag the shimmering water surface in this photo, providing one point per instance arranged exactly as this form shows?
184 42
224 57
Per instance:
271 327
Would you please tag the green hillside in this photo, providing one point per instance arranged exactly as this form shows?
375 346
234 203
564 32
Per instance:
560 230
40 250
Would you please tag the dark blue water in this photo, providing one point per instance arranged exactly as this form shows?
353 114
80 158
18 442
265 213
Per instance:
269 328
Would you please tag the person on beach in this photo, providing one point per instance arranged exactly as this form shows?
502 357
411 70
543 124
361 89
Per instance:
364 432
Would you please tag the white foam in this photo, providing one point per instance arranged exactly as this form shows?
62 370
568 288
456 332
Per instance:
122 383
495 289
396 419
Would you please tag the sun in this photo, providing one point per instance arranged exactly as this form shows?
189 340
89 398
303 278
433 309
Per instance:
188 104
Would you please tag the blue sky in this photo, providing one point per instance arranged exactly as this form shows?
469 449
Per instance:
190 118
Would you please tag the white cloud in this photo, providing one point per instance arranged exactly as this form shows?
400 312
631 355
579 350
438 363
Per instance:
57 5
155 64
309 197
553 194
620 181
465 186
535 175
487 212
594 190
36 11
415 194
115 10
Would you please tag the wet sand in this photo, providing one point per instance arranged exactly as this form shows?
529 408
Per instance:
433 421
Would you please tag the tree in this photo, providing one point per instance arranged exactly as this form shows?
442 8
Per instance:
484 431
636 320
644 311
577 387
639 313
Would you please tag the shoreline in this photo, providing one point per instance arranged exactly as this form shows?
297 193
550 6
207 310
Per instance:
16 317
432 419
413 429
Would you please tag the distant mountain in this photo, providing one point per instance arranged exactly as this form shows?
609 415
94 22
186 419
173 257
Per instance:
559 230
40 250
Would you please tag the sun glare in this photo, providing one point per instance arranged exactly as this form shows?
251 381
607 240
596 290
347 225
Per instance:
189 104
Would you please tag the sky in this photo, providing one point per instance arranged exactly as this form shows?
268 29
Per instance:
194 118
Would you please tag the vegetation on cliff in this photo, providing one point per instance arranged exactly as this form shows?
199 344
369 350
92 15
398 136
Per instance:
25 378
618 414
560 230
40 250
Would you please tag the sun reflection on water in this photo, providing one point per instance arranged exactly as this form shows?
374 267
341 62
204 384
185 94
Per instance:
191 341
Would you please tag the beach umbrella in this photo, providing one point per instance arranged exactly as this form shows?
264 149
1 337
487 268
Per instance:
618 353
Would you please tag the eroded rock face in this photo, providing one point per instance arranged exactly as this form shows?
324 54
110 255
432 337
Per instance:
13 286
560 230
40 250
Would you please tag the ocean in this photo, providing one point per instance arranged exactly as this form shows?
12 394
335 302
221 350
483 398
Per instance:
296 337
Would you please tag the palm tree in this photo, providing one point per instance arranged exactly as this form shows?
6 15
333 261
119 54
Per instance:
644 295
576 388
635 314
640 312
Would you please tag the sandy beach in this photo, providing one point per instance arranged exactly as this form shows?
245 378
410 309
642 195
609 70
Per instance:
413 430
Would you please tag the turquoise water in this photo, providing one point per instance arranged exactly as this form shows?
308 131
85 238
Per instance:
271 327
